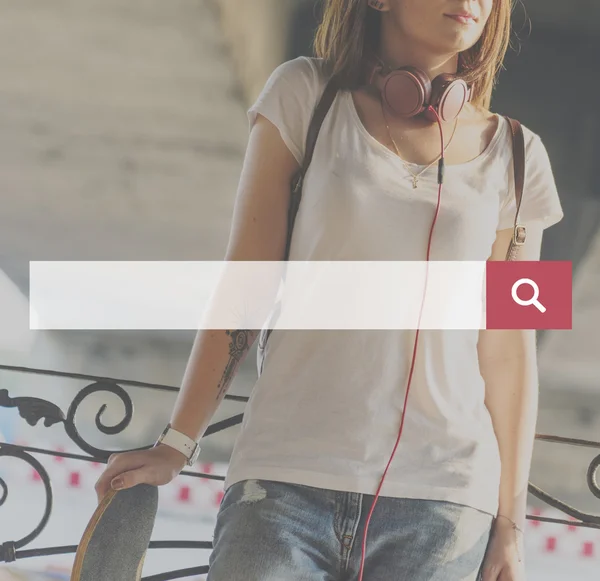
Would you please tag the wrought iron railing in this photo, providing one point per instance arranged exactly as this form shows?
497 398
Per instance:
33 410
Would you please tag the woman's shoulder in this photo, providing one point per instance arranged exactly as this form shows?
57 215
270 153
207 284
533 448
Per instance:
496 127
500 121
534 145
288 100
302 73
541 201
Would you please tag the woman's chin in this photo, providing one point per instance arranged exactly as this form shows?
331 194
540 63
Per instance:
454 43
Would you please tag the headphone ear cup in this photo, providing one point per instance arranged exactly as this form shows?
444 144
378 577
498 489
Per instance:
406 91
449 95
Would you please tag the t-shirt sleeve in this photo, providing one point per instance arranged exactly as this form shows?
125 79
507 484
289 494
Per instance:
288 100
540 203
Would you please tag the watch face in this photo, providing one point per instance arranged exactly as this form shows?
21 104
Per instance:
195 455
164 432
162 436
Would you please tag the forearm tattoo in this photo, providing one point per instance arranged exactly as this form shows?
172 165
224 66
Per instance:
238 347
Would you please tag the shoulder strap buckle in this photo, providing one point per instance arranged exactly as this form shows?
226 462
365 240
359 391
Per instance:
519 235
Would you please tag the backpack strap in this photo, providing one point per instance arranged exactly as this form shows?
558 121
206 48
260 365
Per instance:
518 144
319 114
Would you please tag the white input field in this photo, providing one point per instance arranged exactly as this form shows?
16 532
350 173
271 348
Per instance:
344 295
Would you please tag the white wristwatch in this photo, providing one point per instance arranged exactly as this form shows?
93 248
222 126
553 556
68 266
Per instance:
180 442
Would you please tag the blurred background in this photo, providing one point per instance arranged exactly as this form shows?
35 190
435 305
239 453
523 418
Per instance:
122 133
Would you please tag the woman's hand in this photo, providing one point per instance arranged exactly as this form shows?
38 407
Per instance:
156 466
504 557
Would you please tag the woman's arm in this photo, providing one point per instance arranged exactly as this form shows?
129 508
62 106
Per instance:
258 233
508 363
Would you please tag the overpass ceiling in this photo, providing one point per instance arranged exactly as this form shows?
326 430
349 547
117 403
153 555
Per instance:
121 132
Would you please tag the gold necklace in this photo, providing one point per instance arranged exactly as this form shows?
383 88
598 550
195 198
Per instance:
415 177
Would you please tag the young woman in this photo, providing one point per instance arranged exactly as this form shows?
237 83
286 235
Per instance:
325 413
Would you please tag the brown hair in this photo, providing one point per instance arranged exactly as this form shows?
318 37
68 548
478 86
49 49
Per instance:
349 32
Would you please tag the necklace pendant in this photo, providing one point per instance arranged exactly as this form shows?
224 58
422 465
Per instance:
415 181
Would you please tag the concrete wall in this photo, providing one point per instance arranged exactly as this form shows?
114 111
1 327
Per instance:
257 35
122 136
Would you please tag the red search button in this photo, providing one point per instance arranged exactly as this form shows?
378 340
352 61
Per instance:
529 295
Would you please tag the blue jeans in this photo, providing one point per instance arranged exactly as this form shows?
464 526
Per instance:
275 531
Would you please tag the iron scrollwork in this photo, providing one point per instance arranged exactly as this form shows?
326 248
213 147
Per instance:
33 409
98 386
592 476
582 518
8 550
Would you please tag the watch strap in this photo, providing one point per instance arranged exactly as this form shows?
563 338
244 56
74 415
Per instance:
180 442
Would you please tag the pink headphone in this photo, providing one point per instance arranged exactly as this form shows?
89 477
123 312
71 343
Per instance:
408 92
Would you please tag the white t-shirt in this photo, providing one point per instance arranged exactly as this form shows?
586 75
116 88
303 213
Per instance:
326 410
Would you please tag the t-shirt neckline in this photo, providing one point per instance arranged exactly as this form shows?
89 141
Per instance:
385 150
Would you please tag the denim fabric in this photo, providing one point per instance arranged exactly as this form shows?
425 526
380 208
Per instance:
275 531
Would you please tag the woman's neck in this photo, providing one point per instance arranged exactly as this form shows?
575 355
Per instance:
431 67
397 51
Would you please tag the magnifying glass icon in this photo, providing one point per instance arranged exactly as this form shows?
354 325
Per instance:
533 300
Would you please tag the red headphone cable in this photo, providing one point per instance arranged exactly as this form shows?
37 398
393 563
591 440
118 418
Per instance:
440 181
